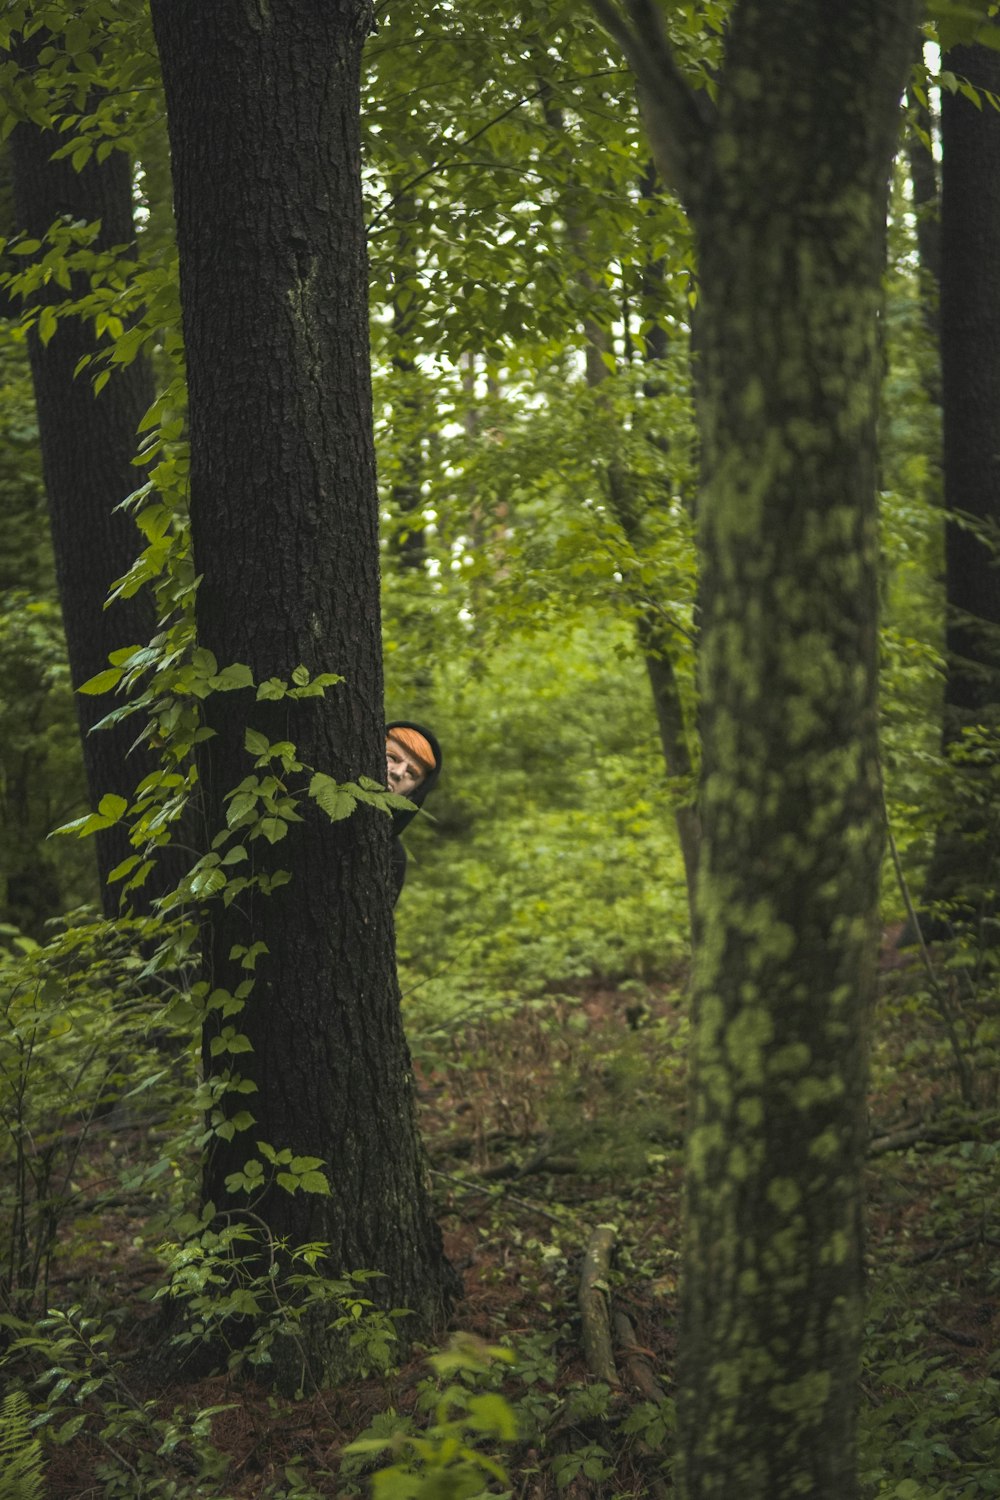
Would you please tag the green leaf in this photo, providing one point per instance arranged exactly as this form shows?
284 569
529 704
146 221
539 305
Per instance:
230 1040
491 1413
112 806
77 36
244 804
332 798
47 324
103 682
256 743
125 868
70 1428
368 1445
314 1182
208 882
123 656
127 347
962 24
272 829
204 662
229 679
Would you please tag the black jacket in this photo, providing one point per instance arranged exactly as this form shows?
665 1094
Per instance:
401 816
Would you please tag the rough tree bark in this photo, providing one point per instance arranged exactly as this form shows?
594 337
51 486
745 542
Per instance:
786 182
964 870
263 111
87 446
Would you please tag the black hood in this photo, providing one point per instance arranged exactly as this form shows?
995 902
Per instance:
401 816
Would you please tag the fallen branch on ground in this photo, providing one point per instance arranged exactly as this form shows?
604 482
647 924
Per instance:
973 1129
479 1187
638 1365
595 1305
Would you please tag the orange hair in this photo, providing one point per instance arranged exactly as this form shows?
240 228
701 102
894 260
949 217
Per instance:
414 744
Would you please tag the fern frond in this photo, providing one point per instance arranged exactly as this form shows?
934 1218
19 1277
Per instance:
20 1451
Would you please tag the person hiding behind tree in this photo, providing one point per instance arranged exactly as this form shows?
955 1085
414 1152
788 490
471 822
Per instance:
413 764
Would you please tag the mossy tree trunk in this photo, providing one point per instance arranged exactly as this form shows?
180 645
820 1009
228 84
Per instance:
786 181
263 110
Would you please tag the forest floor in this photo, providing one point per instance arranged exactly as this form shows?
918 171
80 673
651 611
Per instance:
540 1128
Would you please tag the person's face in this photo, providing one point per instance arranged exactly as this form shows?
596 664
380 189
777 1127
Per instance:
403 772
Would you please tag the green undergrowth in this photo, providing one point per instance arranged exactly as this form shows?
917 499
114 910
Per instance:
930 1428
931 1384
929 1409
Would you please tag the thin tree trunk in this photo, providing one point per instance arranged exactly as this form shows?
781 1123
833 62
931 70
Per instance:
408 542
926 207
263 107
408 591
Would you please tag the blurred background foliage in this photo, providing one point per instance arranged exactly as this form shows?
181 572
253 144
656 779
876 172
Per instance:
518 243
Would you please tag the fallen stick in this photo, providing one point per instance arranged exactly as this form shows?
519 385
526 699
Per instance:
595 1305
639 1370
490 1192
934 1135
963 1242
638 1365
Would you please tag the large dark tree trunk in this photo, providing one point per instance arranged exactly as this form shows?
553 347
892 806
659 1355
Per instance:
970 359
263 111
787 184
965 870
87 443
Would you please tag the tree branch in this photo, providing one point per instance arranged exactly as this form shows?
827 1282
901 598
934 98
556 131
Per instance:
678 120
